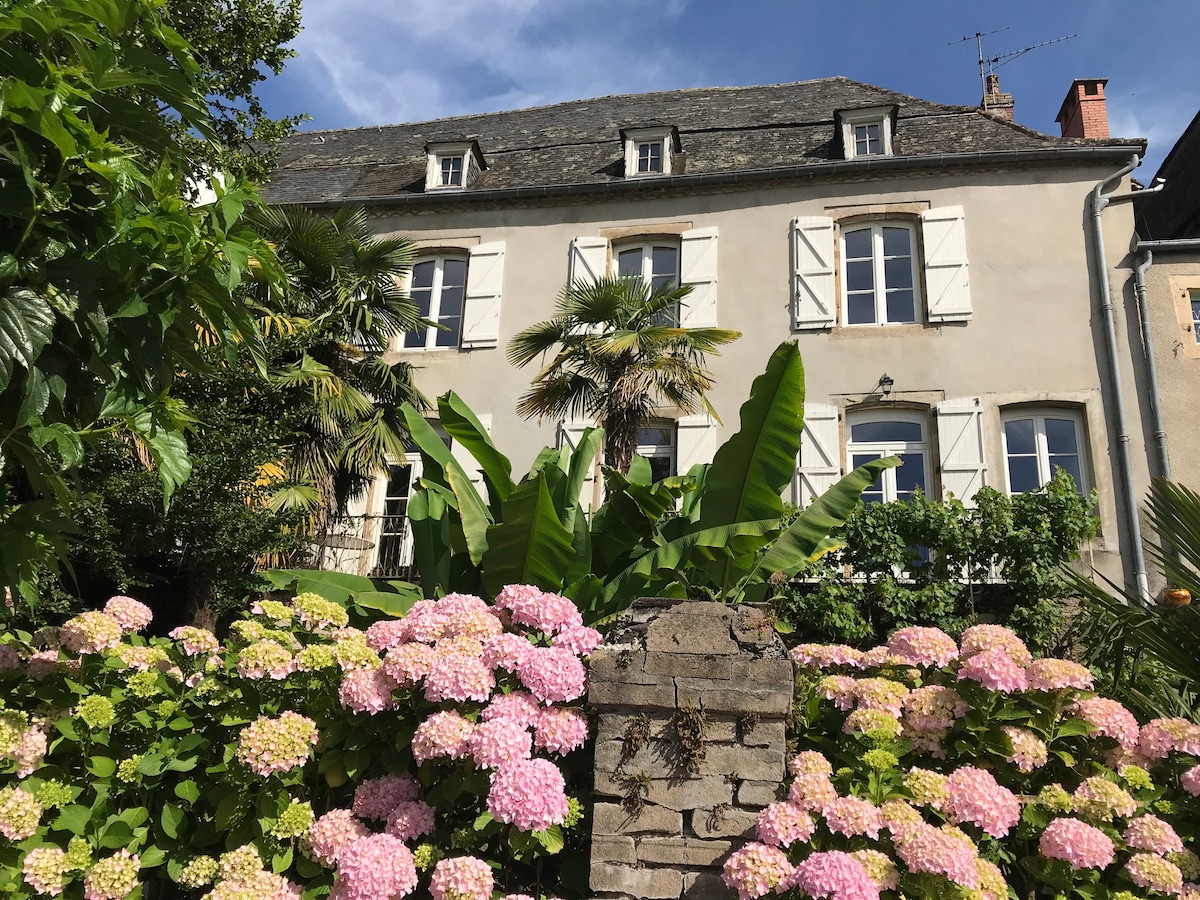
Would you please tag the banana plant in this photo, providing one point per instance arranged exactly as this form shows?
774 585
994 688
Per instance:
718 531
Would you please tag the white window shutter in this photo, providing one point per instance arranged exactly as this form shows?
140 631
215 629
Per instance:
588 260
819 465
960 435
464 457
695 442
946 277
814 302
569 433
481 308
698 267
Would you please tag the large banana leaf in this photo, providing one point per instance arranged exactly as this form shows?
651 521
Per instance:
806 536
530 545
582 461
751 469
464 426
429 519
473 511
1174 512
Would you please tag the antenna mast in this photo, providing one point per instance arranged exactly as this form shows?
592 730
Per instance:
987 65
979 36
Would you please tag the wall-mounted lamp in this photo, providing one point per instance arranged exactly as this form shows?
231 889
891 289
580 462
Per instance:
885 383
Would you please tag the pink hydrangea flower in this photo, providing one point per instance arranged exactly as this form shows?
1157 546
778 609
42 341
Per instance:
20 813
974 796
529 793
924 848
536 609
880 656
10 659
386 634
461 878
899 817
468 616
823 656
442 734
553 675
29 751
409 663
810 762
366 690
881 693
131 615
756 869
332 833
373 867
870 721
376 797
1079 845
264 659
1110 719
840 689
44 870
410 819
782 824
500 741
458 677
505 651
519 705
90 632
836 876
995 670
812 791
1058 675
985 638
270 745
195 641
424 623
113 877
1155 873
560 730
929 712
881 870
923 646
1099 798
42 664
852 816
1190 781
1152 834
1159 737
1029 751
579 639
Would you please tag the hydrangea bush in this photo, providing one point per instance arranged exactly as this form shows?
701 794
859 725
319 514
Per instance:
302 757
930 768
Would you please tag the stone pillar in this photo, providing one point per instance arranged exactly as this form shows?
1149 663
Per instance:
693 699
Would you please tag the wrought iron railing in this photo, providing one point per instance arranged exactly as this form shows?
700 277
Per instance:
378 546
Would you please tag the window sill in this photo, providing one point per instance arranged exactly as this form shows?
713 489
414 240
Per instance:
857 332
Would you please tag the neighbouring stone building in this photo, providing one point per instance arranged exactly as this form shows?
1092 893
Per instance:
944 247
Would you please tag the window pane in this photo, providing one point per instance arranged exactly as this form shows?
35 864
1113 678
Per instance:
1019 435
454 273
910 475
449 337
629 262
1022 474
860 309
654 437
1060 436
858 244
891 432
1196 319
900 307
897 273
1071 464
665 262
859 276
660 467
422 275
896 242
873 494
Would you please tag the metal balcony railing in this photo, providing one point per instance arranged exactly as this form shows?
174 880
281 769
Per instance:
376 546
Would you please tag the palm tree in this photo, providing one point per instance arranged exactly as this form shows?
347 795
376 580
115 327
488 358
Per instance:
343 290
619 353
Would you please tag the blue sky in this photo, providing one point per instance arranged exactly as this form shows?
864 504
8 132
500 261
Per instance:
373 62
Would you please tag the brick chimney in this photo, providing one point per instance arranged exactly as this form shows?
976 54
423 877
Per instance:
998 104
1084 113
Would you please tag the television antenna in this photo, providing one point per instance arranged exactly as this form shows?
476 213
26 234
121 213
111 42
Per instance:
988 64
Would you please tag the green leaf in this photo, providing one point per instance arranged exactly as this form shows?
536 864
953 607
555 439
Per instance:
187 791
102 766
26 326
530 545
73 819
282 860
395 605
336 586
152 857
482 821
583 460
751 469
551 839
463 426
172 818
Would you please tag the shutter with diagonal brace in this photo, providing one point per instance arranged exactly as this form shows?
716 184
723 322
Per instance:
695 442
818 466
481 308
467 461
569 433
947 281
960 436
698 268
813 297
588 260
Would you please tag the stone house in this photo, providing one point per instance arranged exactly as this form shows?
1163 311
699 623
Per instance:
934 262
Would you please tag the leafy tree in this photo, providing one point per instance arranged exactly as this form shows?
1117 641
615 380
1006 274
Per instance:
233 42
619 353
924 562
106 274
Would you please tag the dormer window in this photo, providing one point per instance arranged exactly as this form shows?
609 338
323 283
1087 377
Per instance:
649 150
452 165
866 132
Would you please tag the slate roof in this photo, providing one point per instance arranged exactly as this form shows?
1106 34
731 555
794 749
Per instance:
1174 213
569 146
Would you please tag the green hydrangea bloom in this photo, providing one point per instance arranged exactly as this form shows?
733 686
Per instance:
127 769
463 839
426 856
880 760
574 813
198 872
293 821
167 708
1165 807
273 609
54 794
96 712
318 656
1136 777
1055 797
79 854
143 684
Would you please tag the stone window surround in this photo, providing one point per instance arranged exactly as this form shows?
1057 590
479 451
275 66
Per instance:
1183 288
666 135
883 116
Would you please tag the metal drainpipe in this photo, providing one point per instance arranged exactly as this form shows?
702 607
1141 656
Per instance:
1124 468
1156 417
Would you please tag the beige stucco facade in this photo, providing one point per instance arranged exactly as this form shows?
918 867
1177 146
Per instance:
1033 336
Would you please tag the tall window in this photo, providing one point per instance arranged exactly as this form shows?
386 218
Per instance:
879 275
876 434
657 444
1194 296
658 264
394 546
1037 442
438 287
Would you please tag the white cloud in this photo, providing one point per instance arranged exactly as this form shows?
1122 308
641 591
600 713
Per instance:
421 59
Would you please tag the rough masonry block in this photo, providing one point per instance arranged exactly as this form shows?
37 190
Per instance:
674 851
612 819
649 884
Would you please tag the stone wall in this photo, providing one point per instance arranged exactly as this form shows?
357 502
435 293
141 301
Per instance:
693 699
